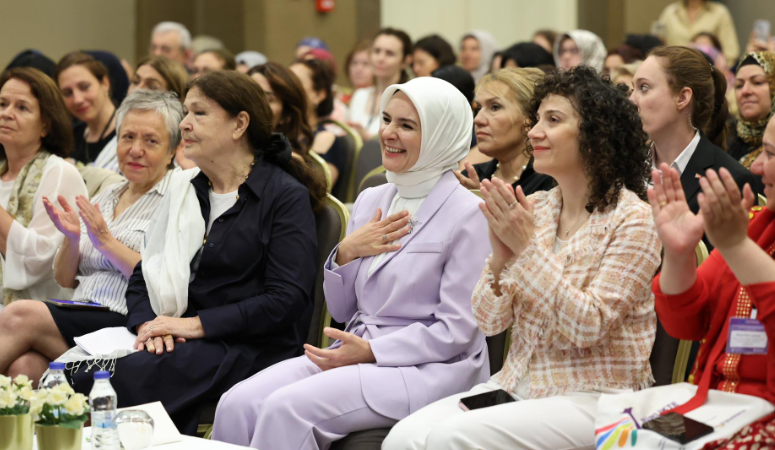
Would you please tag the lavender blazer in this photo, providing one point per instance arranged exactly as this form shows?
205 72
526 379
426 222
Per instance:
415 308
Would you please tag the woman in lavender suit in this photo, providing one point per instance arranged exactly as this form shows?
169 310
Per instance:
403 278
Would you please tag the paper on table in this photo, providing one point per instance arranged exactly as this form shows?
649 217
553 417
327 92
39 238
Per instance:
106 341
164 430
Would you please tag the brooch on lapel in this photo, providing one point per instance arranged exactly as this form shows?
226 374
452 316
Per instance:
412 222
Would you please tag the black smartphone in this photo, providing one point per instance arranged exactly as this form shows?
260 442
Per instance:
72 304
678 428
486 399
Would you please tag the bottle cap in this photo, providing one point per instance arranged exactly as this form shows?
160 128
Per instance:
56 366
102 375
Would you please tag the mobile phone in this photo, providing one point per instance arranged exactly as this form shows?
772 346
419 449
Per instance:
678 428
492 398
72 304
761 29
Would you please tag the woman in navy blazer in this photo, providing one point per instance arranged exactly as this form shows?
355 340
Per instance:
249 287
403 278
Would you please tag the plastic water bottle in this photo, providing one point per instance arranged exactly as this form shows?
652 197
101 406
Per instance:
102 400
56 375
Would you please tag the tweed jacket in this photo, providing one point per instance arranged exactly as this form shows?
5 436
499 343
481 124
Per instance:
583 319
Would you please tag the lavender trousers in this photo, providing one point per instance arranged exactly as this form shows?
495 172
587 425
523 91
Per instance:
294 405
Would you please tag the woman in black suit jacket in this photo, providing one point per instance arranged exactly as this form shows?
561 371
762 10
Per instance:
681 101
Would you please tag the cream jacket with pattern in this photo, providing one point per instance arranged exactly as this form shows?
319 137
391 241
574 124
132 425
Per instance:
582 320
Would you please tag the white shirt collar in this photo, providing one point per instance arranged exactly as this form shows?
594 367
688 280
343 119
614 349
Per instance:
683 159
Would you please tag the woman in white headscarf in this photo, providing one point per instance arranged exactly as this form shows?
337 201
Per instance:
402 278
476 51
579 47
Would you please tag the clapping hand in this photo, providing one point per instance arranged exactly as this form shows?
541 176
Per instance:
472 180
509 215
354 350
98 230
679 229
375 237
724 211
65 219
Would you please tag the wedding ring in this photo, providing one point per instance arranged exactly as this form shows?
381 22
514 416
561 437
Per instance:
167 336
150 329
662 204
384 238
511 206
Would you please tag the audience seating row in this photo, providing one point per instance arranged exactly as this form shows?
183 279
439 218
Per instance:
353 144
669 358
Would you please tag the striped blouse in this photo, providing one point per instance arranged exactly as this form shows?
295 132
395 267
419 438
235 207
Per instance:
98 279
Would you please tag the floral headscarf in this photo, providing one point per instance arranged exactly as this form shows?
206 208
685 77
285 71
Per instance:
751 132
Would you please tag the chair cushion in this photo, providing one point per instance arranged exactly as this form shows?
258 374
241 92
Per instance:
362 440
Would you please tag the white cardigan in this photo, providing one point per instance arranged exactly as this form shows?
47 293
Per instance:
28 265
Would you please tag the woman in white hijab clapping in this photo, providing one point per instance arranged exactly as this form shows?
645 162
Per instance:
402 278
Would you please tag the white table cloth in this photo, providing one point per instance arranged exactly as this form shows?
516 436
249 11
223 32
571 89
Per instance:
188 443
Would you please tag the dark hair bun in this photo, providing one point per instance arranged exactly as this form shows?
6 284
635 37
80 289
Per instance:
278 150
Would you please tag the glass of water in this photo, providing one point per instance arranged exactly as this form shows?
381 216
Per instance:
135 429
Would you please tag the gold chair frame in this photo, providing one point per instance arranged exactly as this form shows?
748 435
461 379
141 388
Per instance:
685 347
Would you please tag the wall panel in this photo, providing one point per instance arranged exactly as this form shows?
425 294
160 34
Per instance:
510 21
56 27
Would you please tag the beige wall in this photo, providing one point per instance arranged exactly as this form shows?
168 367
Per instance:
510 21
222 19
639 14
612 20
56 27
277 25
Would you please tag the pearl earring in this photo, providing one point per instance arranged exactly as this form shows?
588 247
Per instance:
691 125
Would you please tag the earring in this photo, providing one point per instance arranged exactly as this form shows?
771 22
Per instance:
691 125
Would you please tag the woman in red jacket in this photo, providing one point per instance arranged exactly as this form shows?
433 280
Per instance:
736 282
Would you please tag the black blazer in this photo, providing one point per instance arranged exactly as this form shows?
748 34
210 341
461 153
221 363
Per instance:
530 180
710 156
257 270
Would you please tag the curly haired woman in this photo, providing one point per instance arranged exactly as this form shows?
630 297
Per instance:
570 273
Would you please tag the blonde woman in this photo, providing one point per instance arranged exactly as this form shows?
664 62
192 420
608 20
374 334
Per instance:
503 98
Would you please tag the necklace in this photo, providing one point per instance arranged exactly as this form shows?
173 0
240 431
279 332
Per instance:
210 183
102 135
578 222
517 176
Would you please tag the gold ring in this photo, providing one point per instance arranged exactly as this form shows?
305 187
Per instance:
662 204
167 336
